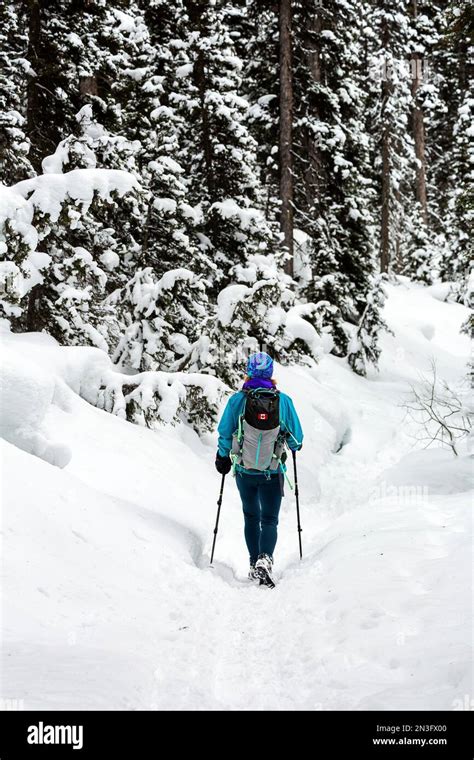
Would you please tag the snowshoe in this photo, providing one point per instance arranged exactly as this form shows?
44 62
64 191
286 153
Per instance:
264 568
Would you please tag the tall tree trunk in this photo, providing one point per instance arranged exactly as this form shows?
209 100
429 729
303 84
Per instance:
419 129
31 317
88 86
200 78
286 136
32 104
385 222
314 165
387 87
196 10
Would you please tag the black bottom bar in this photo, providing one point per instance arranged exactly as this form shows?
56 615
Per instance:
339 734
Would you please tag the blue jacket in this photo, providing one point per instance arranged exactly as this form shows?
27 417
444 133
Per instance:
289 422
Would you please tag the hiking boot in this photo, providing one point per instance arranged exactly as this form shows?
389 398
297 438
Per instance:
253 575
264 569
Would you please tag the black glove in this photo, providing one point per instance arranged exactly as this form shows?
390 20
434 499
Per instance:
223 464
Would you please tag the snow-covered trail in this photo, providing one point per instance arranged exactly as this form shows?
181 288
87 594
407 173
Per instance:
343 629
110 601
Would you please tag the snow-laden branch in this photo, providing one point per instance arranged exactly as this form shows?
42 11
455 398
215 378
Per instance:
27 211
48 193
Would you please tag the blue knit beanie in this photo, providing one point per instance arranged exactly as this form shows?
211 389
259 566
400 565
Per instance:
260 365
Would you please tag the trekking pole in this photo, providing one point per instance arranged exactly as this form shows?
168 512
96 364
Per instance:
297 503
219 502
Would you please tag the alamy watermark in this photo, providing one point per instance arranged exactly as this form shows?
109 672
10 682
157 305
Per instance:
10 704
231 353
463 703
386 69
11 280
403 496
42 733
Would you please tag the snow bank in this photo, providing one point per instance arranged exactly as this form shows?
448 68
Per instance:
441 290
26 393
150 399
437 471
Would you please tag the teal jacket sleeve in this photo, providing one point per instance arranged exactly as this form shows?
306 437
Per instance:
291 425
228 424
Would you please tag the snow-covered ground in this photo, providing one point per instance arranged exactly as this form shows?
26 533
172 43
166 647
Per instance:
109 600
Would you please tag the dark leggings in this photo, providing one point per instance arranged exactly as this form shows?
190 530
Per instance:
261 500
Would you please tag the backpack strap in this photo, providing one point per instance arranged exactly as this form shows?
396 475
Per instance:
263 390
239 435
240 428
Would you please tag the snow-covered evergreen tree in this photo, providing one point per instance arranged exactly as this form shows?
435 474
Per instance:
454 168
169 235
162 317
217 150
90 250
14 72
36 217
418 252
184 269
249 316
388 123
364 349
333 192
256 38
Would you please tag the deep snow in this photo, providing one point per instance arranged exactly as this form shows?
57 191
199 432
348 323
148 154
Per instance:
109 600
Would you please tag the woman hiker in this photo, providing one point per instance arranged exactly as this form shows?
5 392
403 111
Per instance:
256 424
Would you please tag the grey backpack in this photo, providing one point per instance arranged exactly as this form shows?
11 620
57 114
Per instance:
258 442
